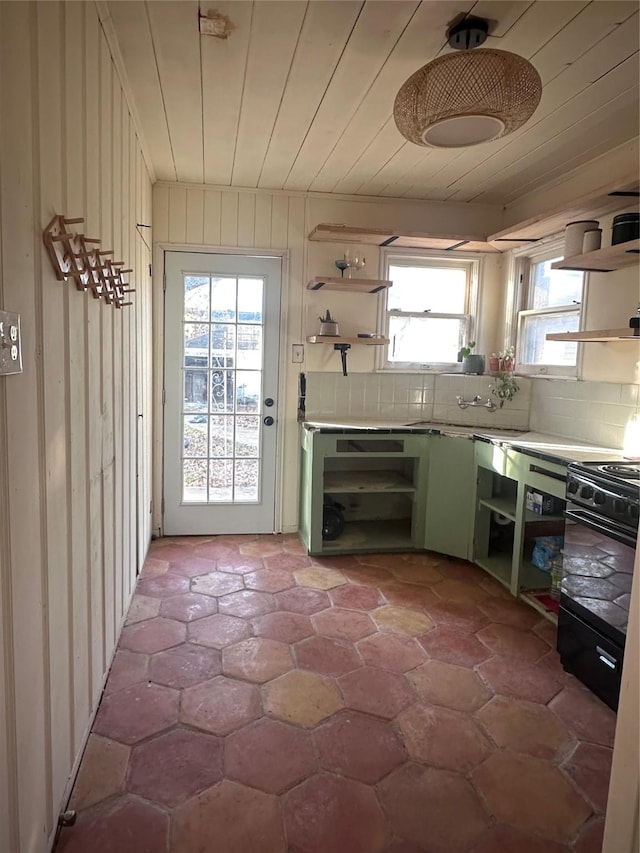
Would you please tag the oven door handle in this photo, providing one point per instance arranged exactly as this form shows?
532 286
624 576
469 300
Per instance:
580 516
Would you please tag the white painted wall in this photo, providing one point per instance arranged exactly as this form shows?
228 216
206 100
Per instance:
70 441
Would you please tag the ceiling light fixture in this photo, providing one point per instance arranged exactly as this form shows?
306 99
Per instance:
468 97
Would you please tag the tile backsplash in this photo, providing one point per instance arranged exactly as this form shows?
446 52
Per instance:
593 412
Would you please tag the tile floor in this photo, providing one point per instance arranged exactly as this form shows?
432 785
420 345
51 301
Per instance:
262 701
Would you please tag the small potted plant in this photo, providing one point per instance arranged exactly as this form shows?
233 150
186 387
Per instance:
505 387
507 360
471 362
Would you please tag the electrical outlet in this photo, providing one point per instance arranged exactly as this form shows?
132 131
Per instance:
297 353
10 343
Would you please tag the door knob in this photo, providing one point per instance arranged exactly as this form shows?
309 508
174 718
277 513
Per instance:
268 421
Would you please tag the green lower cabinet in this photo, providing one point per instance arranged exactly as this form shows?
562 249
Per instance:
373 487
450 491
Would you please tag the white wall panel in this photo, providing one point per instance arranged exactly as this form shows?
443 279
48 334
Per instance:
69 538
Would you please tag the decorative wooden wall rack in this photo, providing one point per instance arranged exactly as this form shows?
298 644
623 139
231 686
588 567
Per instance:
81 258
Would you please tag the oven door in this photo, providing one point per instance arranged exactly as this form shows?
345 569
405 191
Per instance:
597 564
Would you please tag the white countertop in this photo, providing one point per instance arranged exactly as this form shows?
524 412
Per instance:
564 449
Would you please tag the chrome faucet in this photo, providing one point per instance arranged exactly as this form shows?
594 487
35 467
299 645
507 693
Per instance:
477 401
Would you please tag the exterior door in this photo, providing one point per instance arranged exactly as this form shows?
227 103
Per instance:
222 322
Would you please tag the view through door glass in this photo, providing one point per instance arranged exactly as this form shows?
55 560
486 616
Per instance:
221 381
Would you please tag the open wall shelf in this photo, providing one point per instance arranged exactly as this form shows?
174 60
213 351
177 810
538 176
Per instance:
603 260
354 285
340 339
597 335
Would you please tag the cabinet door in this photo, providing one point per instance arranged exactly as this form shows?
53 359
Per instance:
450 490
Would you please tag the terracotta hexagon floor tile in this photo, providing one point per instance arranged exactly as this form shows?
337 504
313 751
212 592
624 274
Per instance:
162 586
126 825
465 592
143 607
188 606
586 715
403 795
345 746
217 583
269 755
220 706
247 603
519 679
153 635
302 600
175 766
409 573
216 550
355 597
304 698
239 564
240 819
531 795
287 561
387 562
137 712
269 580
366 574
399 846
591 837
590 769
218 631
260 548
401 620
185 665
343 624
376 691
495 589
512 642
391 651
547 631
257 659
102 772
153 567
506 839
513 613
327 656
453 686
285 627
319 577
339 562
452 568
408 595
191 567
457 616
440 737
525 727
127 668
164 549
326 813
454 647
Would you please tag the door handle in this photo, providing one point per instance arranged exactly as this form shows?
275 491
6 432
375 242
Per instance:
268 421
269 402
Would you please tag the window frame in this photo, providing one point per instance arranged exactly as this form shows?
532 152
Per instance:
471 263
524 261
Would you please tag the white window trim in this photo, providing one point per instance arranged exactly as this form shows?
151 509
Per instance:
523 258
409 256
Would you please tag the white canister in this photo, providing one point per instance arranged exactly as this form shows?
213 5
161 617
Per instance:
592 240
574 235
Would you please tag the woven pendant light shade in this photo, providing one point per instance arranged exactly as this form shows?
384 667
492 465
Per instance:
466 98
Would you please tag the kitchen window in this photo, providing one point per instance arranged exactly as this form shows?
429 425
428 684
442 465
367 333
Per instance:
551 302
428 313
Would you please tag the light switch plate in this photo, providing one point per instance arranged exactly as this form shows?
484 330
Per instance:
10 343
297 353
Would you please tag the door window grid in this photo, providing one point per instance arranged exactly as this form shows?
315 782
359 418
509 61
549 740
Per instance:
222 382
428 314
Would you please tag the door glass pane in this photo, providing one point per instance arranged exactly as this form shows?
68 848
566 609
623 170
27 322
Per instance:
222 367
221 436
220 480
195 481
246 480
223 299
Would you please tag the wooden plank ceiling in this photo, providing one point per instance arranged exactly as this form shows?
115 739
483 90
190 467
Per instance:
300 95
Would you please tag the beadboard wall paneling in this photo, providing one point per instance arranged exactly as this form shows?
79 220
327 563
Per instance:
75 468
203 216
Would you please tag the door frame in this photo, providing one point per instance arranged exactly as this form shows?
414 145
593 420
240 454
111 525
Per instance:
158 278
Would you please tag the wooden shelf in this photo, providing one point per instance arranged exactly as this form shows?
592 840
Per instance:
401 239
597 336
503 506
603 260
343 482
355 285
340 339
608 199
379 535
